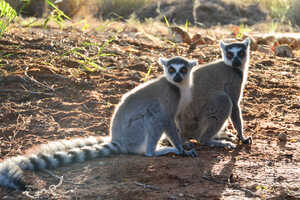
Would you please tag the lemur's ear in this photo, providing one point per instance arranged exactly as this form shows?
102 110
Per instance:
163 61
222 45
193 63
247 42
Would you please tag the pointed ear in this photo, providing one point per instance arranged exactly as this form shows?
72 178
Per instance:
222 45
193 63
163 61
247 42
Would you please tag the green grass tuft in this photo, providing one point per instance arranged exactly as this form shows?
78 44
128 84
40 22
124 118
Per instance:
7 15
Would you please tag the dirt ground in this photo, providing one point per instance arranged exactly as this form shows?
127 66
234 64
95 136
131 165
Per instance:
50 88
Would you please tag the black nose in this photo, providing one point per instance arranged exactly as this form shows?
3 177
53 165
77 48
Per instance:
177 78
236 62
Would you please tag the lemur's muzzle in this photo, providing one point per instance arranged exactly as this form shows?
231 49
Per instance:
177 78
236 62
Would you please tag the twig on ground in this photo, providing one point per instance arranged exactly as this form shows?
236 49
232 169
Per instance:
37 82
147 186
51 190
26 91
59 177
213 179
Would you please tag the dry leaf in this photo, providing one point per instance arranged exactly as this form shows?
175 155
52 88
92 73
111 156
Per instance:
198 39
295 44
179 35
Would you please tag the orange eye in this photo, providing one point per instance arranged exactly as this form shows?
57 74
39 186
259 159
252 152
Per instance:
171 70
241 53
183 70
229 55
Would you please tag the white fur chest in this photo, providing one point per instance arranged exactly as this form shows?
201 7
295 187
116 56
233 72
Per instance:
185 98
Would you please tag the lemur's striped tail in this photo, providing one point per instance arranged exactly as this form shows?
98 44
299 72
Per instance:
53 155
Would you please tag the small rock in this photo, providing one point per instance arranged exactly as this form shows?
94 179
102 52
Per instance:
280 179
284 51
282 137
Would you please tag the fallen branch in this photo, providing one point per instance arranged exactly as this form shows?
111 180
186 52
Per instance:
59 177
213 179
147 186
25 91
37 82
51 190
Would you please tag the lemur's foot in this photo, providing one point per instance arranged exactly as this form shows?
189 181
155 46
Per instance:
230 145
220 143
225 135
190 153
188 145
246 141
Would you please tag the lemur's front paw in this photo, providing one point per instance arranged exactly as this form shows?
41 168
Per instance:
188 145
190 153
229 145
247 141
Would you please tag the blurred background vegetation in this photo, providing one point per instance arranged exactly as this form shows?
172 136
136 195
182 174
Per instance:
197 12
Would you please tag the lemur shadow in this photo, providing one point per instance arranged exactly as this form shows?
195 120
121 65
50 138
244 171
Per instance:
226 177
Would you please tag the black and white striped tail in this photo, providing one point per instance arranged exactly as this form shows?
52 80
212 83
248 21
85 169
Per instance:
51 156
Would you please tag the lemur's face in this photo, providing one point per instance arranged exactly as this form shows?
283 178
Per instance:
235 54
177 68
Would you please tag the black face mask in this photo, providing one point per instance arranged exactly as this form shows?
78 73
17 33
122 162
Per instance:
177 78
236 62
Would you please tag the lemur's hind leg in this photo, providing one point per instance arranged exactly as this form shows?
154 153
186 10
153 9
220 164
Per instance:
156 123
225 134
216 112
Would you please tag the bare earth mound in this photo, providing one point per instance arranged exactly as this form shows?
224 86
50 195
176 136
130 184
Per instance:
205 13
49 91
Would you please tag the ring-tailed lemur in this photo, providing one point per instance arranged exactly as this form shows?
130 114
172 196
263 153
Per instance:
140 119
217 90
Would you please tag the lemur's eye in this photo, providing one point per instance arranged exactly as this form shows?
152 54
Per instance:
171 70
241 53
229 55
183 70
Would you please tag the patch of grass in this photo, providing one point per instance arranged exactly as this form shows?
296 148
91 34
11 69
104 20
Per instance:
89 63
283 11
293 13
7 15
83 24
167 21
148 73
240 31
278 8
280 11
56 15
